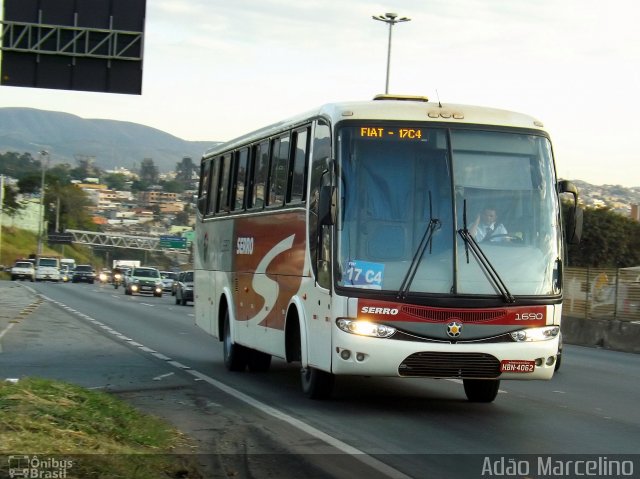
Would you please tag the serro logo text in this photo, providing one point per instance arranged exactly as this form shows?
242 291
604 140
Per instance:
379 310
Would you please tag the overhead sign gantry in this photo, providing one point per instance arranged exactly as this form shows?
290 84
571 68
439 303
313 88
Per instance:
87 45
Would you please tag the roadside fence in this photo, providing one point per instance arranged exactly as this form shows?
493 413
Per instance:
601 293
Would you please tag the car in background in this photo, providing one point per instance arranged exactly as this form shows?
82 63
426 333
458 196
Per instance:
184 289
83 273
168 278
143 280
104 276
23 270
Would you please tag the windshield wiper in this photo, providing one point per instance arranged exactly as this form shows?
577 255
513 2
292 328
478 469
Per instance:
425 241
483 261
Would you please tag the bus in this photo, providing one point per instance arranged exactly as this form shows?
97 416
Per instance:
342 239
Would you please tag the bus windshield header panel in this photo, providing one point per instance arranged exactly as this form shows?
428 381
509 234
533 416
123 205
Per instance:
408 191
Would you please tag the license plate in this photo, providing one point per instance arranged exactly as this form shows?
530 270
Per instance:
517 366
146 288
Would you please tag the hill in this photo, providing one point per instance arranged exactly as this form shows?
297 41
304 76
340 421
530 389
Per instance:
113 143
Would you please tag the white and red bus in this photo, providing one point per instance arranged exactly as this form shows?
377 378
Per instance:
345 240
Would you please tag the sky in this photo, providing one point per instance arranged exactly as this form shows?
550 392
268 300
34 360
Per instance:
215 69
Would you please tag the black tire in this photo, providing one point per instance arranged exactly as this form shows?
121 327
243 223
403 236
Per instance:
258 362
177 300
13 278
235 355
127 292
559 355
183 301
115 285
316 384
481 390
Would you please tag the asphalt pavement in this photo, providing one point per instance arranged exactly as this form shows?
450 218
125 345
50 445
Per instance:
40 338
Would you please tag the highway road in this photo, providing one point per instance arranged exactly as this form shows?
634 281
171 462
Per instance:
415 427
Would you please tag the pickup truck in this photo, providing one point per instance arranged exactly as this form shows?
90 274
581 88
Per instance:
23 270
48 269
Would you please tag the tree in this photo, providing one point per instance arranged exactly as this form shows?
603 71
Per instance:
149 172
609 240
172 186
183 218
10 201
74 206
85 168
16 165
115 181
184 172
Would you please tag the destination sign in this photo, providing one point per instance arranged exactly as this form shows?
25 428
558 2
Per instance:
401 133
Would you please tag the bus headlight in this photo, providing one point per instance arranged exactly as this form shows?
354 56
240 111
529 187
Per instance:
536 334
365 328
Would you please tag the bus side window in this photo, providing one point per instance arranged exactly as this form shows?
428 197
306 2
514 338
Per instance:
223 189
298 168
213 186
260 173
240 179
279 174
203 189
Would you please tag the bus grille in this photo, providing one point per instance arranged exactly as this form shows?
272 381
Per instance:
446 315
450 365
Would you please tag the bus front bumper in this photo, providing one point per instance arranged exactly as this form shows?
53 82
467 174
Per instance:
369 356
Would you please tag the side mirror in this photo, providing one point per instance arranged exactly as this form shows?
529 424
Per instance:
327 205
575 219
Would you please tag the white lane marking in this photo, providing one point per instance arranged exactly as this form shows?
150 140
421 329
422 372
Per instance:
162 376
304 427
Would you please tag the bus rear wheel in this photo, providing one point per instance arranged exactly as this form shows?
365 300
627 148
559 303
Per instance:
235 355
316 384
481 390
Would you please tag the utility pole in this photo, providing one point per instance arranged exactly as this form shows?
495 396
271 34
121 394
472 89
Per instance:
43 155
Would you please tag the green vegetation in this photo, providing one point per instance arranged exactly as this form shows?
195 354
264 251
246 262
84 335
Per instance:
609 240
103 436
17 243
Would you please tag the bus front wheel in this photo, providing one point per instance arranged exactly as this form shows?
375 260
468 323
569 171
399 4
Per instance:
481 390
316 384
235 355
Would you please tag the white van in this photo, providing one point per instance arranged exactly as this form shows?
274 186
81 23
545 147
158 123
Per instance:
48 268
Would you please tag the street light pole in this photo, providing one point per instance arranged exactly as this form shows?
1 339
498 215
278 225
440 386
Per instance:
391 19
43 154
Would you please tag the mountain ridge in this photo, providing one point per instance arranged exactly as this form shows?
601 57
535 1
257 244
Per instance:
113 143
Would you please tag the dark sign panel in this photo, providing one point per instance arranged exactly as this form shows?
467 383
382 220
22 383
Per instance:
60 238
88 45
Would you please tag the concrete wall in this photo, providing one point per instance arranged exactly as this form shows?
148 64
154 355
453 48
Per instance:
606 333
24 219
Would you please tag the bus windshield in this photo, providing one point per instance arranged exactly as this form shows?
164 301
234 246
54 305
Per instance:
410 195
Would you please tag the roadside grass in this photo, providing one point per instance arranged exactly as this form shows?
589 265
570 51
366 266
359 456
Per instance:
18 243
106 437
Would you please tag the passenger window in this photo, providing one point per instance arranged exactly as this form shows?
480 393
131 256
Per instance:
279 171
260 173
299 167
241 178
